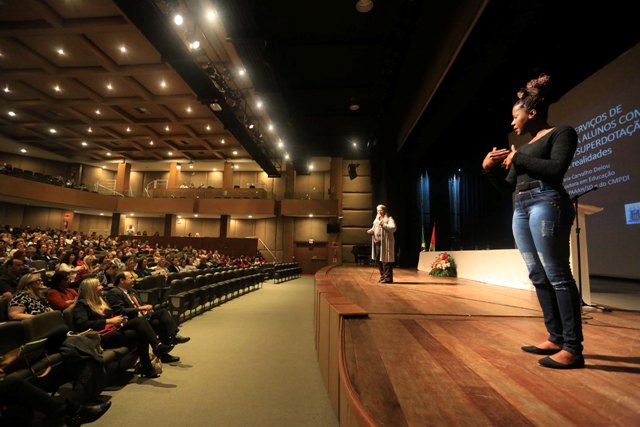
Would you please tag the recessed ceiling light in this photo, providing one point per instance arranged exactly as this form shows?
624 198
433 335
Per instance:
179 216
167 128
104 167
101 214
108 154
60 51
215 169
52 130
310 215
236 166
23 150
310 167
188 109
57 88
280 144
163 84
178 19
250 216
222 141
196 215
171 154
251 125
364 6
242 72
109 86
235 153
128 129
259 104
271 127
6 89
130 214
212 14
286 156
98 111
150 142
89 130
123 49
12 113
84 143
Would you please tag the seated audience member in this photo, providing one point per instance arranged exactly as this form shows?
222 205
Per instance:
42 253
61 296
88 267
141 269
28 300
9 277
106 273
68 264
130 266
174 265
20 399
161 268
92 312
124 301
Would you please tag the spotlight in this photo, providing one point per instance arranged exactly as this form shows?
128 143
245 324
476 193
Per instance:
364 6
178 19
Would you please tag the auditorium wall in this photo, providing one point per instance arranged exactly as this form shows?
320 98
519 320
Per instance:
49 167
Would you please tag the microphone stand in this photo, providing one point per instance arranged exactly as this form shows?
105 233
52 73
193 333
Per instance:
574 199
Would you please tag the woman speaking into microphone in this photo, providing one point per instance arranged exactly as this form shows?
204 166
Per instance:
383 243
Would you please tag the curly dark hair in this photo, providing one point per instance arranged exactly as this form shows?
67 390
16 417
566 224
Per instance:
533 95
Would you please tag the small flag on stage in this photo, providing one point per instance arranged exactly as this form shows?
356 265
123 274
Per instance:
432 245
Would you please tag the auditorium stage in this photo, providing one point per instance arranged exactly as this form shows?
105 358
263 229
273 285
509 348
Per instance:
442 351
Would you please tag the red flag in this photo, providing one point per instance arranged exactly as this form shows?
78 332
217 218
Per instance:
432 245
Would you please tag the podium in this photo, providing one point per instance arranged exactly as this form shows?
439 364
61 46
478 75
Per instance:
581 273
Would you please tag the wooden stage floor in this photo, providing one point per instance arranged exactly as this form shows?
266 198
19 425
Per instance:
444 352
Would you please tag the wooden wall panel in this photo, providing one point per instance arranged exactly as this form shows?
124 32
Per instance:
291 207
240 228
91 175
362 184
11 214
310 228
358 201
135 184
312 183
48 167
362 218
355 236
101 225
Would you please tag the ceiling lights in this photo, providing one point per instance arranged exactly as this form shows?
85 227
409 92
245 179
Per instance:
364 6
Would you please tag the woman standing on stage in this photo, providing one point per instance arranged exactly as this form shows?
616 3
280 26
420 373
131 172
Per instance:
542 219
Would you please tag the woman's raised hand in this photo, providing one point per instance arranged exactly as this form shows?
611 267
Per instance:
494 157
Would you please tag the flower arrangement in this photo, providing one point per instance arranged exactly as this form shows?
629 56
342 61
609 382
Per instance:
444 266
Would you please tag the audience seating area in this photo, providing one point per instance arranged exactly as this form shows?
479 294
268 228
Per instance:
286 271
45 369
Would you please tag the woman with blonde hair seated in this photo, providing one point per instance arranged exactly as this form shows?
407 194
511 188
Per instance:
91 311
28 300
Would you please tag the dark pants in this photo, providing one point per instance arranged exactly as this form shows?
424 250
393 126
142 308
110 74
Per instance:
137 331
164 325
22 397
385 268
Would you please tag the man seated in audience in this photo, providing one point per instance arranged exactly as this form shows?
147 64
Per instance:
20 398
123 300
9 277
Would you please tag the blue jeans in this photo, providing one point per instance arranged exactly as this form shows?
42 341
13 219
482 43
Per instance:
542 220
